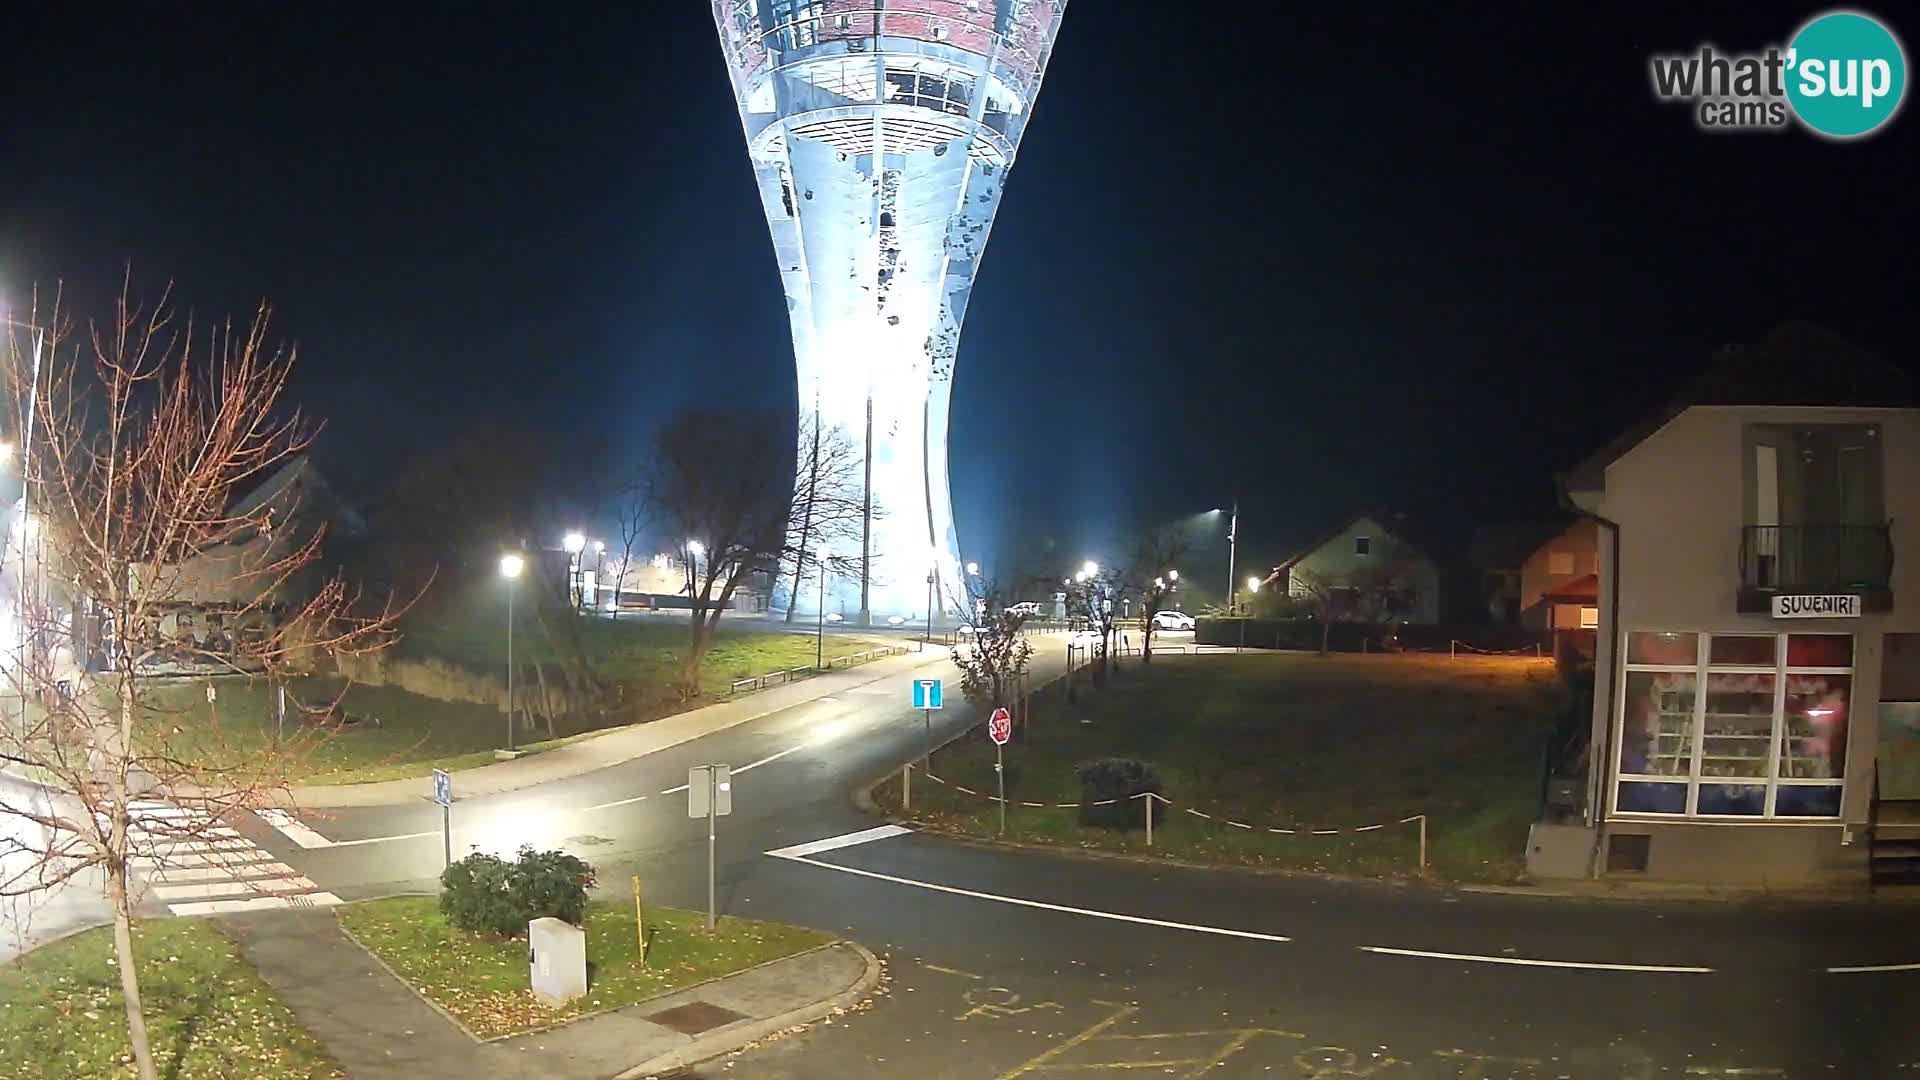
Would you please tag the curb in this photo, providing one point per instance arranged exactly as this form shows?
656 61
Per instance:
411 989
63 935
707 1046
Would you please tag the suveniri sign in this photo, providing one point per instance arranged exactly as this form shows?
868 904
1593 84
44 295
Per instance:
1816 607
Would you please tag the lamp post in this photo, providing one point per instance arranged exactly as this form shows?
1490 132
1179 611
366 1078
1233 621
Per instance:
1233 544
599 569
26 503
820 616
510 567
574 542
1174 577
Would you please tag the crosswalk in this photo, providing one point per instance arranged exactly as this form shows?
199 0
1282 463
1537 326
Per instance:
198 866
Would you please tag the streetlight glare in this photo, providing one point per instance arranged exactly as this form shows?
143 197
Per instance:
697 548
1091 568
1173 575
973 569
574 542
511 565
599 547
1253 584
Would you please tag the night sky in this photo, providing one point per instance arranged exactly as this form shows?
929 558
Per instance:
1320 259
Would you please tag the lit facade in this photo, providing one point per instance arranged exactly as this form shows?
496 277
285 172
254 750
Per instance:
881 136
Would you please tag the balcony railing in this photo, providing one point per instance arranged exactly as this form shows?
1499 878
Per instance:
1794 558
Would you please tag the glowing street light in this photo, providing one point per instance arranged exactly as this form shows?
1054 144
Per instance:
1091 568
696 548
574 542
510 567
973 569
1173 575
1253 584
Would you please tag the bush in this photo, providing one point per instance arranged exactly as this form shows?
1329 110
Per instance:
1118 779
493 896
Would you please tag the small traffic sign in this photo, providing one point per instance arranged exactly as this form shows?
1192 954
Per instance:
926 693
1000 727
706 782
442 787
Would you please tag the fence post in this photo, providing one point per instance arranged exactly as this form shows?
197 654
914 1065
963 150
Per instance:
906 786
1451 653
1148 803
1423 845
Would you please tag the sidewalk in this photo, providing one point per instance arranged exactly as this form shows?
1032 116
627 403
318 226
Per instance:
379 1029
621 744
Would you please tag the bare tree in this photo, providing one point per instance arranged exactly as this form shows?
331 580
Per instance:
1154 555
143 430
995 656
1324 596
1374 594
629 511
827 500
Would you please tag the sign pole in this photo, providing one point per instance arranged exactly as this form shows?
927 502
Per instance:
443 794
1148 803
446 833
1000 773
929 713
713 795
906 786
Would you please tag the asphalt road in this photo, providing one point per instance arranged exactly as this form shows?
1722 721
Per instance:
1007 964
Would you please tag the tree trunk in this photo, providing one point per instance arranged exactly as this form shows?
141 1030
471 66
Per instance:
1326 634
806 519
117 870
697 639
1146 642
546 698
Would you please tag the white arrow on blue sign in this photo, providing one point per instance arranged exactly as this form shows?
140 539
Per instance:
442 787
926 693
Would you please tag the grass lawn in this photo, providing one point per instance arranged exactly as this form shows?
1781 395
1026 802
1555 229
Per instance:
1284 740
482 980
640 649
208 1014
416 734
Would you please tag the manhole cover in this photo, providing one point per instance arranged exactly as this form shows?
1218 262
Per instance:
589 840
695 1017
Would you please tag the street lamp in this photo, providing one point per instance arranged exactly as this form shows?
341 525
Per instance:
599 571
1253 584
510 567
1090 568
973 569
820 617
933 569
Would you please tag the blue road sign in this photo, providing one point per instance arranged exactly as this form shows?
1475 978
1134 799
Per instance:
442 787
926 693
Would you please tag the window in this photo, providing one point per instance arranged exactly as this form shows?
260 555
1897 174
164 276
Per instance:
1734 725
1560 562
1363 545
1589 618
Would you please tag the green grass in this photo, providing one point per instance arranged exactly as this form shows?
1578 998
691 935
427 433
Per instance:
416 734
1284 740
208 1014
482 980
642 650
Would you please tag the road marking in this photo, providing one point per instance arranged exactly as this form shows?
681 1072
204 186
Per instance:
383 839
256 903
1019 901
833 843
1521 961
209 890
293 828
618 802
950 971
765 760
1864 968
1040 1062
175 875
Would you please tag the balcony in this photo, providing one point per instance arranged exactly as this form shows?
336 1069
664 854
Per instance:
1816 559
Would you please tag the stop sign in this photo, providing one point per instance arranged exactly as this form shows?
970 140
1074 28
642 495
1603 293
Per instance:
1000 727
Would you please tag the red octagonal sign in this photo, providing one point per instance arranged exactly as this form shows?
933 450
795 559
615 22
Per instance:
1000 727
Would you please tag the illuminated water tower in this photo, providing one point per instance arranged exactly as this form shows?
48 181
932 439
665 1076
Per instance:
881 133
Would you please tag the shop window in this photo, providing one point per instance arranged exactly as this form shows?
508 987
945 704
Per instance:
1589 618
1734 726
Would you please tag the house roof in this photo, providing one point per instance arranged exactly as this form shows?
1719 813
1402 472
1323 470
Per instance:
1798 364
1506 546
299 479
1392 524
1585 587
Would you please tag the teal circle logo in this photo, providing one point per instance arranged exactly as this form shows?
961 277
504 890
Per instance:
1846 74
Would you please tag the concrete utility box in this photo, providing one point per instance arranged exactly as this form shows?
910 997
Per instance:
557 957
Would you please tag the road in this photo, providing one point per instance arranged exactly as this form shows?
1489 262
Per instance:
1009 964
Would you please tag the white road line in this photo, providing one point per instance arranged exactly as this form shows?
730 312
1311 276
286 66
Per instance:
1864 968
293 828
764 761
178 875
832 843
196 858
383 839
675 790
209 890
255 903
618 802
1520 961
1023 902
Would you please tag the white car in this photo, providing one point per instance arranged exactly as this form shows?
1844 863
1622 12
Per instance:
1172 620
1029 608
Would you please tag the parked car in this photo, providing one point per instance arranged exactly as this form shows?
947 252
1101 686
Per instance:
1029 608
1172 620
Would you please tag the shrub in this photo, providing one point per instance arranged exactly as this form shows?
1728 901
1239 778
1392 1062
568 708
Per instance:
493 896
1118 779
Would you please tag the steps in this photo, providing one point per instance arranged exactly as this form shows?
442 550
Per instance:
1893 842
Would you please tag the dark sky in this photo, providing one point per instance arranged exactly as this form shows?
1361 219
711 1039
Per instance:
1315 259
